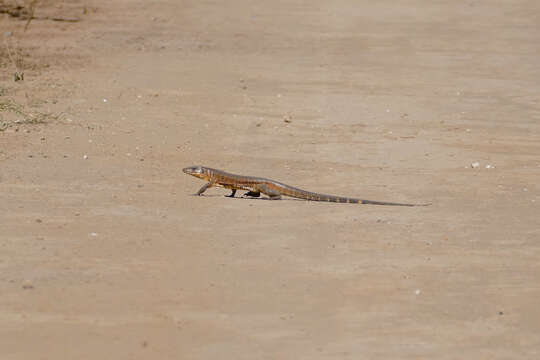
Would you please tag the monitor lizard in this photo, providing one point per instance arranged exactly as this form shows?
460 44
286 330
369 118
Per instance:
274 189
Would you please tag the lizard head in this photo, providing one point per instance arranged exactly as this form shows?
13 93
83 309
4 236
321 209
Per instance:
197 171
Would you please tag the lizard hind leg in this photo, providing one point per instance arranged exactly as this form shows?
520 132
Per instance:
272 194
232 194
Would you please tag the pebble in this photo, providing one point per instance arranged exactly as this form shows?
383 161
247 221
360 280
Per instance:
489 166
417 292
475 164
85 157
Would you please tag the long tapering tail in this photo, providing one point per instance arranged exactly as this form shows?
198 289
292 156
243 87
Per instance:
371 202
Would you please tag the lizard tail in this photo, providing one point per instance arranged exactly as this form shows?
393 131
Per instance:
371 202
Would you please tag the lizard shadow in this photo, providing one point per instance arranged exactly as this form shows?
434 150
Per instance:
248 198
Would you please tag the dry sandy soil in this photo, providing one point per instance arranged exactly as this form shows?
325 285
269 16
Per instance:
106 255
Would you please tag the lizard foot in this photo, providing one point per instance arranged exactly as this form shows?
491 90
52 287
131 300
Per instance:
253 194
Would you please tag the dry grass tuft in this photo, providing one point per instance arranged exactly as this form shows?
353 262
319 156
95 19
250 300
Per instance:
14 114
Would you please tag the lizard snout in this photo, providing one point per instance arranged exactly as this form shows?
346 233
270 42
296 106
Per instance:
193 170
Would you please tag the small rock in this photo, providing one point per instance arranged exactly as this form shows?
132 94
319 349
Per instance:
417 292
27 285
85 157
475 164
93 234
489 166
39 221
8 33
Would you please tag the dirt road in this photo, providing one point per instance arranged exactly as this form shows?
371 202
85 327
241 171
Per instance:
105 253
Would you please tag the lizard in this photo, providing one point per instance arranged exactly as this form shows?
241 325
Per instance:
274 189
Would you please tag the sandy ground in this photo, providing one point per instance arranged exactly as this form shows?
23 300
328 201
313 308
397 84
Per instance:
106 255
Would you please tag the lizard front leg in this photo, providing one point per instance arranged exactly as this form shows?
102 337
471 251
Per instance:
232 194
204 188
